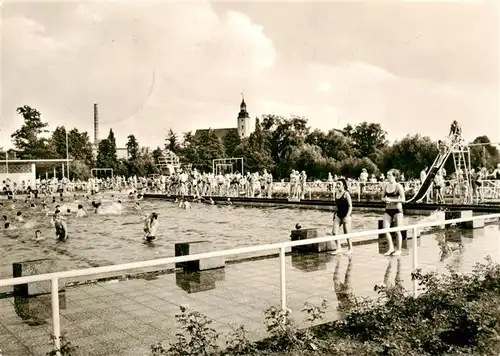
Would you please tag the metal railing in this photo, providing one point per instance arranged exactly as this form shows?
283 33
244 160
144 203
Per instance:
281 247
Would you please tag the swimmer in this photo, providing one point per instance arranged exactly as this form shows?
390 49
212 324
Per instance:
68 211
38 236
8 226
187 205
61 228
137 206
96 206
80 213
19 217
33 206
151 227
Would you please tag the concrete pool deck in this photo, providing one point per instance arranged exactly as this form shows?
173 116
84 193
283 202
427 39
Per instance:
123 318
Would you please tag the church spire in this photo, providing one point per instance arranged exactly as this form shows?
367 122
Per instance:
243 105
243 108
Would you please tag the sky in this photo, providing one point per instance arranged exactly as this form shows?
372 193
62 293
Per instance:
151 66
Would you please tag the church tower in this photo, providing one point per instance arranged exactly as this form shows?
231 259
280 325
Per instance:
243 120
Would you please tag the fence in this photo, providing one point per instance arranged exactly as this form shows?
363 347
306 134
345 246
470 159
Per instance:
281 247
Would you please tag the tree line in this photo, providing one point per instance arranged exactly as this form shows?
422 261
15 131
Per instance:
278 144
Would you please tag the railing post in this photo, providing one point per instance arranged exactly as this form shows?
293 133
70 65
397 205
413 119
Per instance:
414 258
282 278
55 314
359 192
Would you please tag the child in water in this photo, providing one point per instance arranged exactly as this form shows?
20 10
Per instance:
150 227
38 236
80 212
60 226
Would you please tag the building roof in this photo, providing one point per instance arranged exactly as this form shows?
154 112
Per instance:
220 133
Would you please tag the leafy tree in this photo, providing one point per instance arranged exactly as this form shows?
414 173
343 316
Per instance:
79 145
484 155
171 142
156 154
367 137
231 140
309 158
410 155
207 147
80 170
27 139
189 148
105 158
281 135
352 166
106 154
132 147
333 144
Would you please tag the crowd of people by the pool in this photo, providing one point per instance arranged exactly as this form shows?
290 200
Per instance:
253 184
64 205
200 187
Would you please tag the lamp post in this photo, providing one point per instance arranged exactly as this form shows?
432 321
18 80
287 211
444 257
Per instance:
67 155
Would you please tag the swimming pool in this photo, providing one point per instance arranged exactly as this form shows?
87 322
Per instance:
115 236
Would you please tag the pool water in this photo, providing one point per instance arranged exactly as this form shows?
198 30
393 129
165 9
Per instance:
115 236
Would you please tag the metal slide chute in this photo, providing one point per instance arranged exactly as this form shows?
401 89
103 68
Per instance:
436 166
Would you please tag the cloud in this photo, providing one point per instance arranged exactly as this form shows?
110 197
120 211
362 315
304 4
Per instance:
148 65
182 65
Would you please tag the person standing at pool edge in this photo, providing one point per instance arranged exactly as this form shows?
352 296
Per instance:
342 214
394 197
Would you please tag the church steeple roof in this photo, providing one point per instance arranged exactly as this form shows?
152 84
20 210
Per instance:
243 108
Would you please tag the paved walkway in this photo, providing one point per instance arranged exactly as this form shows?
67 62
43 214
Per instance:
125 318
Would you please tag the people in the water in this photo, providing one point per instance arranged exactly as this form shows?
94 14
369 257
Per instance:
60 227
81 213
19 217
393 195
38 235
151 226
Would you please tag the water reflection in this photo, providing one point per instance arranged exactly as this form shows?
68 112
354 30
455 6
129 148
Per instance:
200 281
343 289
310 262
37 310
397 281
383 246
451 244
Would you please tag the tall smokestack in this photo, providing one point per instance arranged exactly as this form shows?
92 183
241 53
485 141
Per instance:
96 125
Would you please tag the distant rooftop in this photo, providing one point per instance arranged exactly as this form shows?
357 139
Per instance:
220 133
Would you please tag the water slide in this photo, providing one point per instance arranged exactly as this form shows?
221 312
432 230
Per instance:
436 166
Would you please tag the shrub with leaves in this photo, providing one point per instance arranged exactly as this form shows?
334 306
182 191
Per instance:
238 342
314 313
197 337
456 313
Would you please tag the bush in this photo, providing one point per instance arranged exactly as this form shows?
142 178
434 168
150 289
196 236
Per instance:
456 314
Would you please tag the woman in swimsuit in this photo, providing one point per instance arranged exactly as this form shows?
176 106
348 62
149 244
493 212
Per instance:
394 197
342 215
